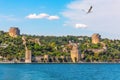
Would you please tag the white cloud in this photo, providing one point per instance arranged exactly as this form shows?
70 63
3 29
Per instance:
42 16
80 26
105 16
75 25
53 17
39 16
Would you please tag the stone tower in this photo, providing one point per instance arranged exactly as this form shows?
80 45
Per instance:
46 58
96 38
14 32
28 56
75 54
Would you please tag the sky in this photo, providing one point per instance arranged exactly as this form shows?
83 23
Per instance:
62 17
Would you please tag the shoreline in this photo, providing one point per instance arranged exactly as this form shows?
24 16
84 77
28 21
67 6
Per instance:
60 63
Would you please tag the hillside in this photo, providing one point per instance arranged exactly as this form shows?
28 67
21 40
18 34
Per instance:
13 47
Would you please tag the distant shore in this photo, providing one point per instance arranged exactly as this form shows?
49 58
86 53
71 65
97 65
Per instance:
57 62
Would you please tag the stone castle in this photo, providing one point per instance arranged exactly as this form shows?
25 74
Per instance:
28 58
75 53
14 32
96 38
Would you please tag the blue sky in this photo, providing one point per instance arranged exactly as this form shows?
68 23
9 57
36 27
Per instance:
61 17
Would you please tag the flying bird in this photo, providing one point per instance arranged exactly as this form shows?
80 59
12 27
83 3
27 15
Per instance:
89 10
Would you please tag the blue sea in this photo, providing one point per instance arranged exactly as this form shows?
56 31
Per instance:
59 71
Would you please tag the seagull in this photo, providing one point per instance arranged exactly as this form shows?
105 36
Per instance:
89 10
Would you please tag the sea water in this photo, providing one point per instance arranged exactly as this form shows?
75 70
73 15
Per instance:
59 71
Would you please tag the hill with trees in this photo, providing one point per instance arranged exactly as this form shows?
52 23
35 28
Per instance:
12 47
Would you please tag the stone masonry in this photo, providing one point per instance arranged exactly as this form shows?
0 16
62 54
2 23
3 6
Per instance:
95 38
14 32
75 55
28 56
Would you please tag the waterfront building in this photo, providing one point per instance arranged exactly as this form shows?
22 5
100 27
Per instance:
46 58
28 56
75 53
